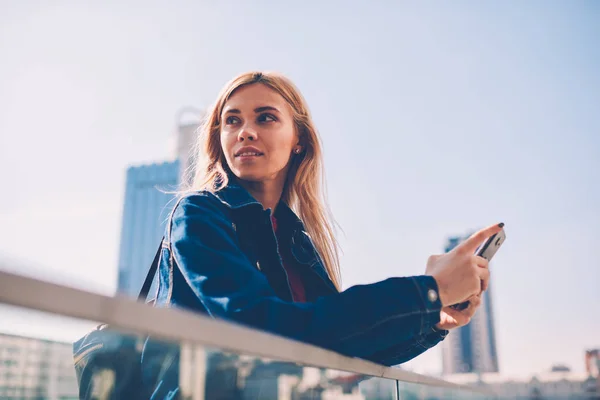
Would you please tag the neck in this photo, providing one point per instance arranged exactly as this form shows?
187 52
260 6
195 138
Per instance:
268 193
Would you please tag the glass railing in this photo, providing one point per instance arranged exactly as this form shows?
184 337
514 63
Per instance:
186 356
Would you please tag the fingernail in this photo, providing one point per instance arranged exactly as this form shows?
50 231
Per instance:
501 224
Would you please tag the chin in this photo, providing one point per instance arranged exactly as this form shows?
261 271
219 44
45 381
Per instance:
249 176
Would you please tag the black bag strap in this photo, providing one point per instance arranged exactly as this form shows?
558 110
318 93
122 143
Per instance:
150 277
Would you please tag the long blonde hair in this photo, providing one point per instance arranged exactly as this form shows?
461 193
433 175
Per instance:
305 189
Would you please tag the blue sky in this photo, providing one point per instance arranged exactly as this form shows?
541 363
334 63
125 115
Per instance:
436 119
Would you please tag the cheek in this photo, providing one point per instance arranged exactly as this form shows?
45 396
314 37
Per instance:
283 149
281 158
227 144
286 138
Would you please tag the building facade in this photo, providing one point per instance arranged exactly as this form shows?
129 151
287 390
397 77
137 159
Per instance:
36 369
145 213
550 385
472 348
149 199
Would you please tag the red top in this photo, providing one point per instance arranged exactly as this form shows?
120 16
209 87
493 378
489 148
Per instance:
294 277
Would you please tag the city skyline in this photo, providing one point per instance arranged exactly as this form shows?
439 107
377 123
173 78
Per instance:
454 117
173 158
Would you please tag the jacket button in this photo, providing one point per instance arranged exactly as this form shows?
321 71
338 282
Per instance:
432 295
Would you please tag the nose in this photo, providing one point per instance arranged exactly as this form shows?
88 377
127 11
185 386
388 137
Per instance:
247 133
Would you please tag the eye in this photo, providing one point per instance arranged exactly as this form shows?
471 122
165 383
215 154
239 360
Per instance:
231 120
266 118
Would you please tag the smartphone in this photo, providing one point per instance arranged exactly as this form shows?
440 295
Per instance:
487 251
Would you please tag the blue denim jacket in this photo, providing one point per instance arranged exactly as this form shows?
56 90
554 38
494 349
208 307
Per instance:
220 257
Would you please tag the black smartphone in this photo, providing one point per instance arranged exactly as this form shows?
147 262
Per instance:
487 251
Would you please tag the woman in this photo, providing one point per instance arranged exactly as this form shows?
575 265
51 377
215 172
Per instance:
252 241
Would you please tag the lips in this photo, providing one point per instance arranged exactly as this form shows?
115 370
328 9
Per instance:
248 151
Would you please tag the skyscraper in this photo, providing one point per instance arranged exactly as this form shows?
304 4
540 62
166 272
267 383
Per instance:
148 202
187 134
472 348
144 214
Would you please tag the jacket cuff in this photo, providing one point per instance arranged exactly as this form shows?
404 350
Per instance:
436 336
430 303
432 338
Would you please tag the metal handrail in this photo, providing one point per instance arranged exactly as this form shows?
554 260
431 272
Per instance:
178 325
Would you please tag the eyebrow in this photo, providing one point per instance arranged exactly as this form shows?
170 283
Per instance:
256 110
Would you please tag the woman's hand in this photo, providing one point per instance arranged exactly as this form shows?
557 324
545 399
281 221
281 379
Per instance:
460 274
451 318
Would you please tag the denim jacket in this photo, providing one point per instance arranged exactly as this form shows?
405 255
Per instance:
220 257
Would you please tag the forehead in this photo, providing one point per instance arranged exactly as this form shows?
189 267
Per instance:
254 95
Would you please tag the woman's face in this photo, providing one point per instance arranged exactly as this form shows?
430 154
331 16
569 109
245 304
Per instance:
258 134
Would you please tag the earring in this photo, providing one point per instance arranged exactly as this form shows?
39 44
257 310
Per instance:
297 150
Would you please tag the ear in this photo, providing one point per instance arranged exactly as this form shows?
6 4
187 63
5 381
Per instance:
297 149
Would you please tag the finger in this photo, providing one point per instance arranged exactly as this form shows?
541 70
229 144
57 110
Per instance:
474 304
475 240
481 262
484 275
461 317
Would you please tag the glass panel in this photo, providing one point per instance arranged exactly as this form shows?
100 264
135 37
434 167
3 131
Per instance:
231 376
411 391
116 365
36 354
378 388
109 361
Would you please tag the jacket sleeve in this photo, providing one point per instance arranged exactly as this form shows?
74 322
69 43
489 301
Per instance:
407 350
360 321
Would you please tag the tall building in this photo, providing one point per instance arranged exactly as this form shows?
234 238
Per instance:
149 198
188 121
472 348
145 212
36 369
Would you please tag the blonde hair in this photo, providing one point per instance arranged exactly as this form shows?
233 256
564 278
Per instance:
304 191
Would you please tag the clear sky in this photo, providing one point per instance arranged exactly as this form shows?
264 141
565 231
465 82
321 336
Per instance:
436 119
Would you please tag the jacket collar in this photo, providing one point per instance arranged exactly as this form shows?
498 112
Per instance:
236 197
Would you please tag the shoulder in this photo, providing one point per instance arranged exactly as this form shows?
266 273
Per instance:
200 215
202 204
